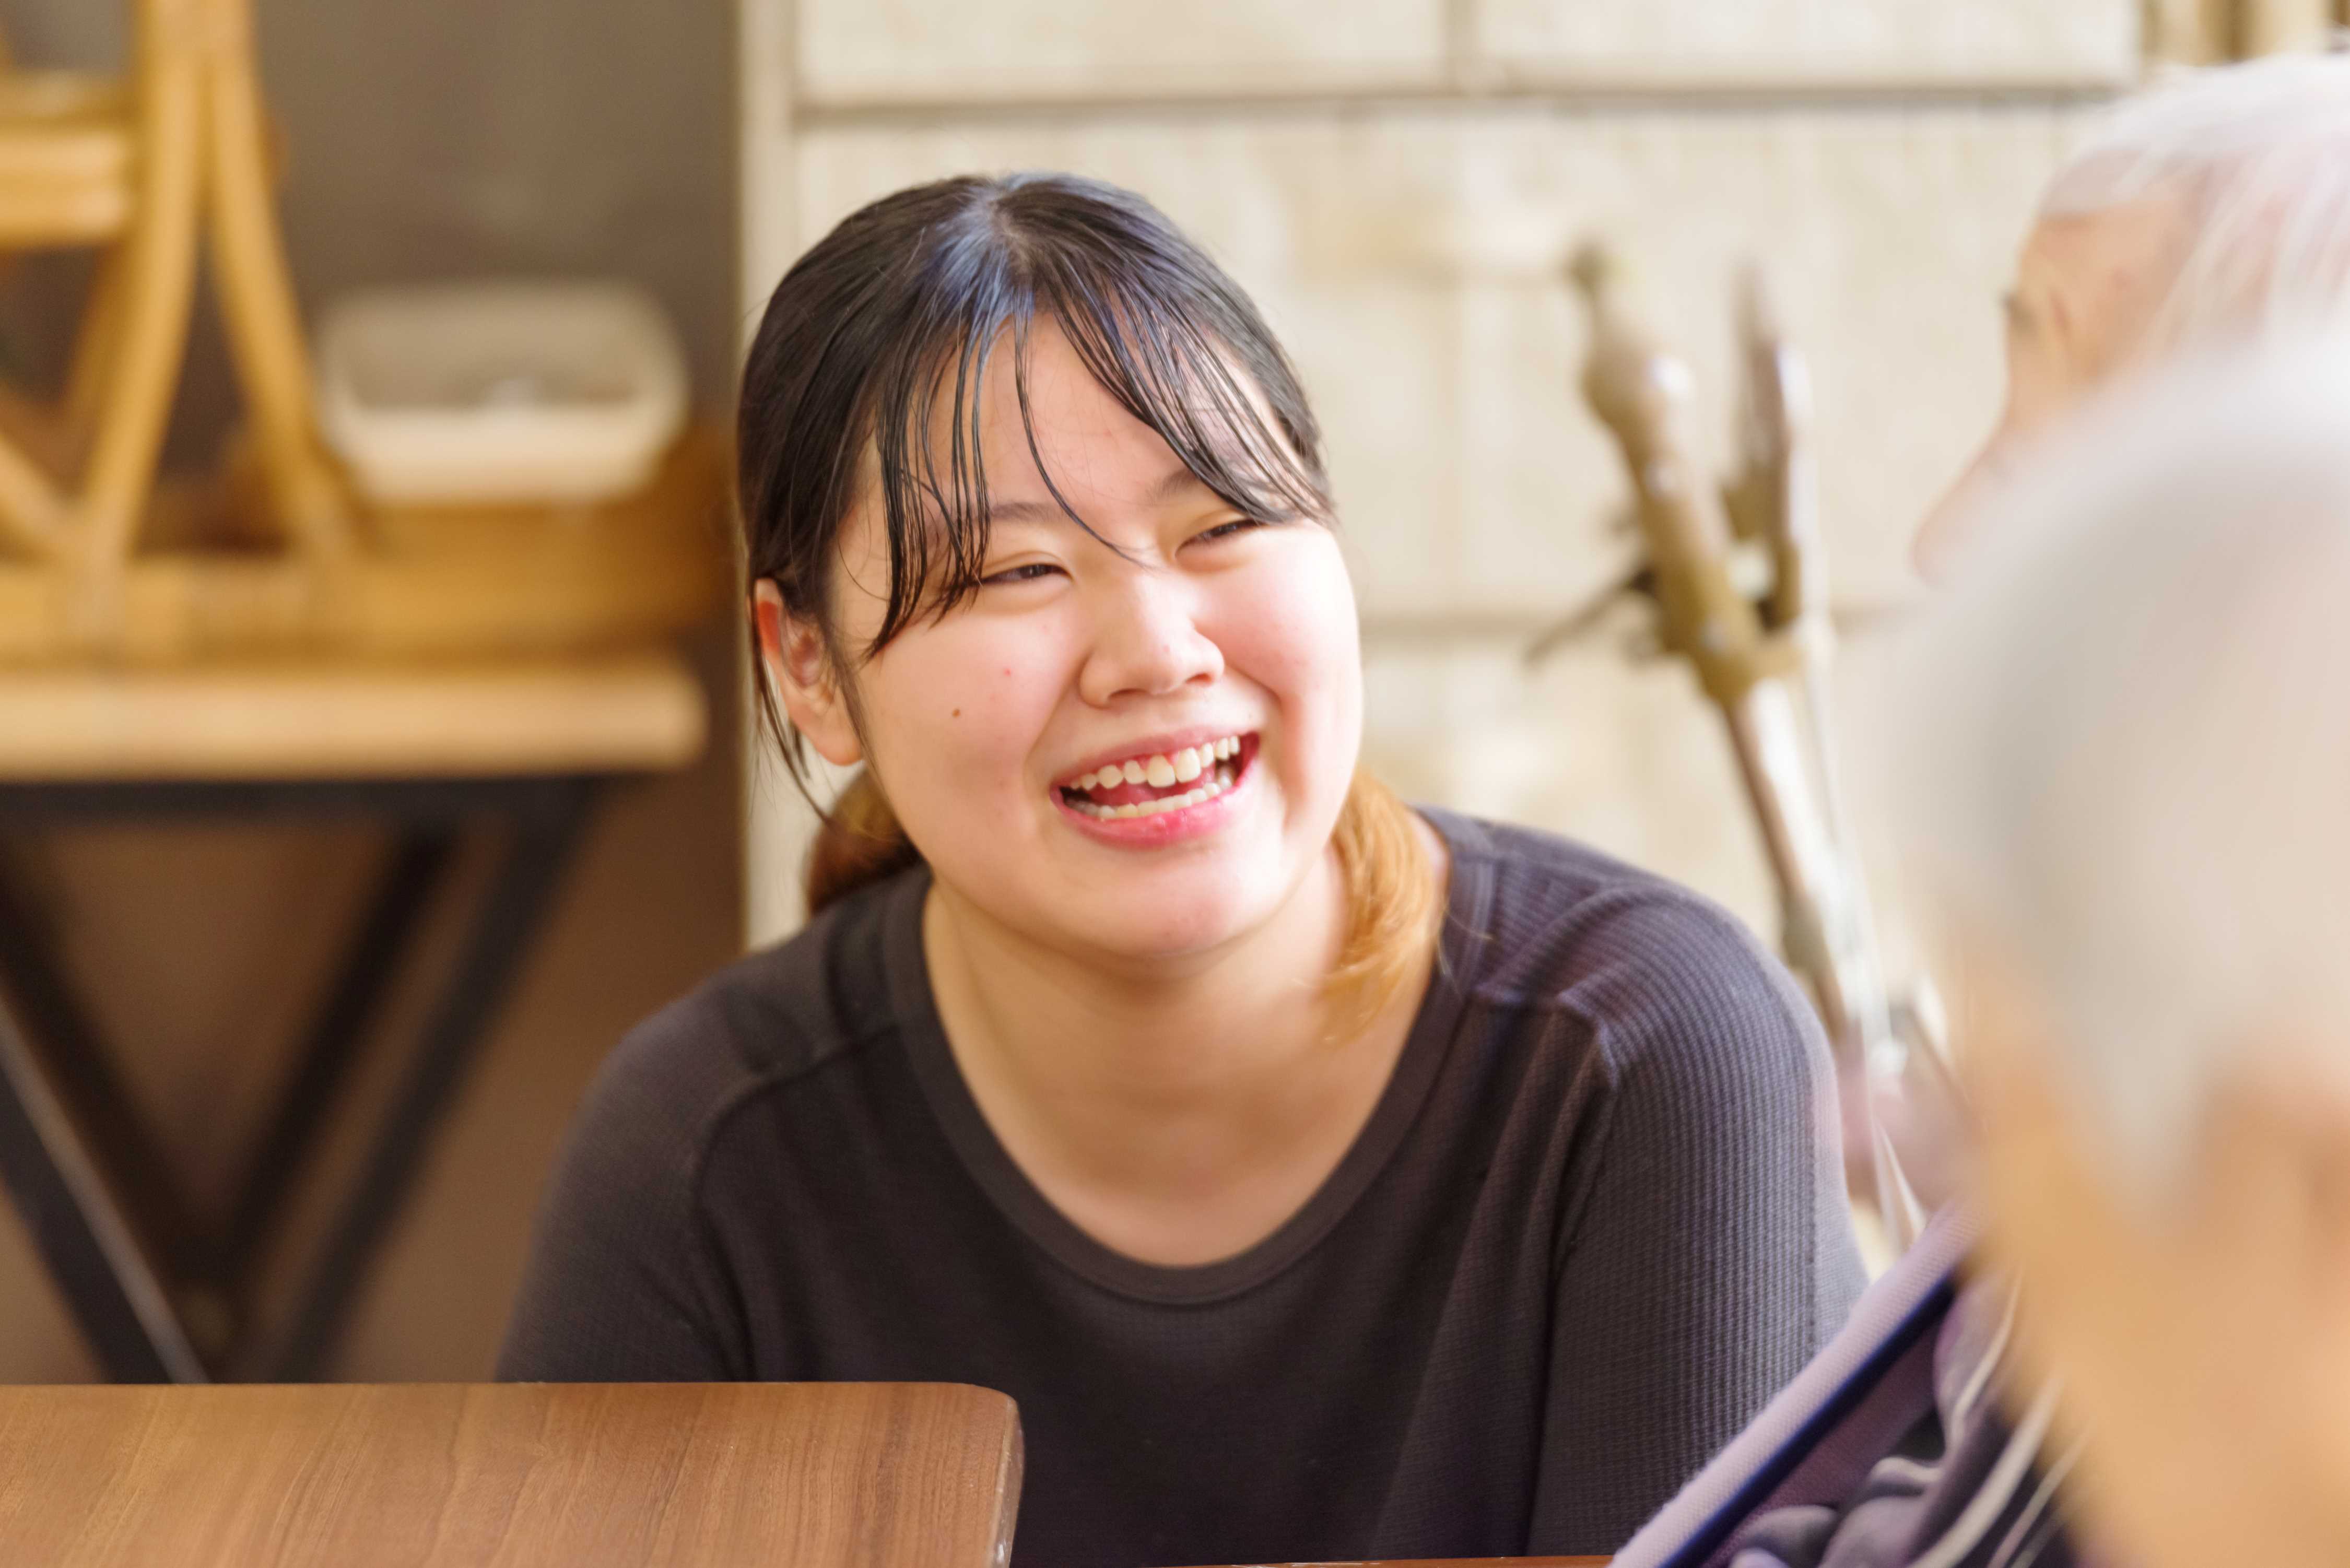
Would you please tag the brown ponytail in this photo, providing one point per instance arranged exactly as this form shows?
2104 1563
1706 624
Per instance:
1392 901
858 843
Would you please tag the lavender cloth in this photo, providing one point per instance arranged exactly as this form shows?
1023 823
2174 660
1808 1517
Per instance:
1892 1450
1976 1493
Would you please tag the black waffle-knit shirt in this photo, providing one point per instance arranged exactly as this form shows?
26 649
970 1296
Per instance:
1595 1221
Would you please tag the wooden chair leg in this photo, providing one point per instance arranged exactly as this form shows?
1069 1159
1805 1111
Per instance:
32 512
158 288
40 443
99 340
264 327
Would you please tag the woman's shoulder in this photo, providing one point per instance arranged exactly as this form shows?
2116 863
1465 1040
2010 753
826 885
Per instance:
1555 925
770 1017
1543 906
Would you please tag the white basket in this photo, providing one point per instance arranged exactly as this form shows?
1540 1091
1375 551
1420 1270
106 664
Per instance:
500 392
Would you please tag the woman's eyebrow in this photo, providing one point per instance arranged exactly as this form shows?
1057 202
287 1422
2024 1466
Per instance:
1025 512
1177 481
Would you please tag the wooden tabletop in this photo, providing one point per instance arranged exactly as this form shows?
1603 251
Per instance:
513 1475
629 712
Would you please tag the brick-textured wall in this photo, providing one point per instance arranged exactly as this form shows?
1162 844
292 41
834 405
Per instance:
1399 181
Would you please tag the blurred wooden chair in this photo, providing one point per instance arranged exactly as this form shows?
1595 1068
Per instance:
280 647
137 167
145 168
534 1475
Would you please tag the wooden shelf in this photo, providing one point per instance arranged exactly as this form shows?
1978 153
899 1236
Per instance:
427 582
631 712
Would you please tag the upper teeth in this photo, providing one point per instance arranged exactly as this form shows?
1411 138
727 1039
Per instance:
1161 769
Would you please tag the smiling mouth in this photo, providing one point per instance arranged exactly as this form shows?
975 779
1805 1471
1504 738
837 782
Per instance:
1160 781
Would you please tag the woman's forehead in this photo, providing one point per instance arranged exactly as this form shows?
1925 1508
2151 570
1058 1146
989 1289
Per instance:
1042 411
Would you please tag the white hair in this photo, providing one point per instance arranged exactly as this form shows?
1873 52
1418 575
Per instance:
2261 152
2121 742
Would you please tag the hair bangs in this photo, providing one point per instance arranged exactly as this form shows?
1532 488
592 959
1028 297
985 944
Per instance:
1165 367
1178 357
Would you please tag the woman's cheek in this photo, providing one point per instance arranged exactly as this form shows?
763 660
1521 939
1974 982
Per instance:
1291 629
1293 608
974 703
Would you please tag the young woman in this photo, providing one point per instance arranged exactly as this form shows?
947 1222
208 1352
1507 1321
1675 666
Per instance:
1324 1179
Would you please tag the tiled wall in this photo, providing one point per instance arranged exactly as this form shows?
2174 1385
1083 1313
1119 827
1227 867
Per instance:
922 51
1398 182
1963 43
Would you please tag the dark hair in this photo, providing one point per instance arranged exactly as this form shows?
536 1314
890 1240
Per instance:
891 318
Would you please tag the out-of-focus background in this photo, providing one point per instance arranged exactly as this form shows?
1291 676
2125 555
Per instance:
421 140
1398 182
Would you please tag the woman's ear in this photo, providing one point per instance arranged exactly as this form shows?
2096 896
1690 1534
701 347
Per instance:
793 653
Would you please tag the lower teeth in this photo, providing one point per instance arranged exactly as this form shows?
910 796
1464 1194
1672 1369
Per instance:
1205 790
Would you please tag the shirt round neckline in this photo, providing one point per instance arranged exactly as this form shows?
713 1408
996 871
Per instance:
1020 1201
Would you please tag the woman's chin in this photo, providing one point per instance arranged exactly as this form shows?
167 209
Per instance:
1154 921
1162 937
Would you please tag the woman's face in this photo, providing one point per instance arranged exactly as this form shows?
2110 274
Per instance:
1136 759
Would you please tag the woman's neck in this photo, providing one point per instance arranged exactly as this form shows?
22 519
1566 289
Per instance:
1177 1116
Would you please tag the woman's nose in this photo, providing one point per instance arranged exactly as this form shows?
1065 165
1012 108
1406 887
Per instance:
1147 642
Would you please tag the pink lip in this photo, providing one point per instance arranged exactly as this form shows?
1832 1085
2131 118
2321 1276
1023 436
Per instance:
1150 746
1162 829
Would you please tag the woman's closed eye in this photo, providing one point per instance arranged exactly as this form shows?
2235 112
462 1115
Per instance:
1229 529
1025 572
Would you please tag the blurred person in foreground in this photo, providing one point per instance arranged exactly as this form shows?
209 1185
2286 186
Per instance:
2211 211
2114 757
2211 208
2119 769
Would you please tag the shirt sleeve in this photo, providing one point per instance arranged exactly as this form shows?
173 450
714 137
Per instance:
1706 1251
622 1284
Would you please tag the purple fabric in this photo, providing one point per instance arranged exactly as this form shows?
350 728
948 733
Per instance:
1815 1442
1890 1452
